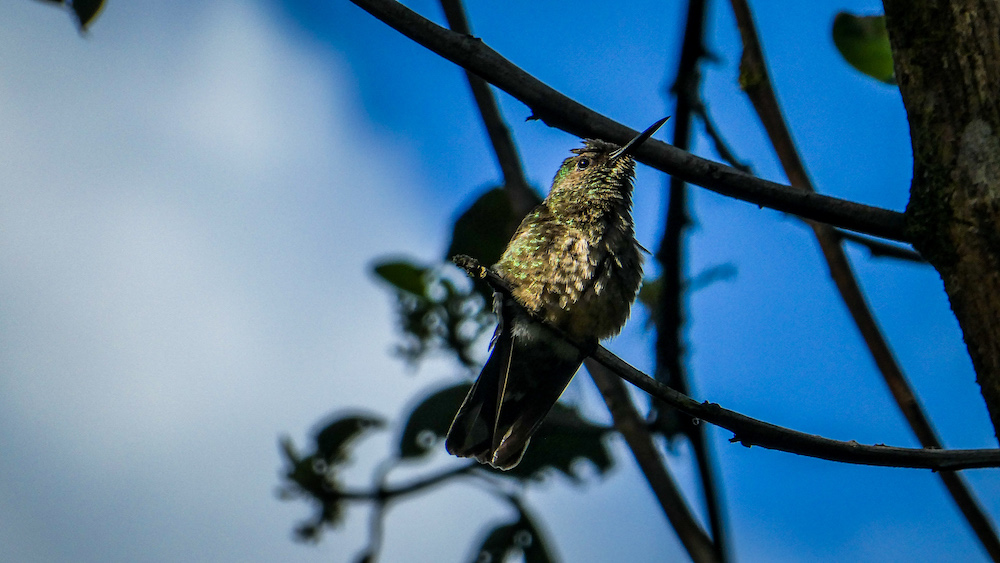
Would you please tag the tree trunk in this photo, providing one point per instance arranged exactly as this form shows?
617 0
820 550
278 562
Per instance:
947 60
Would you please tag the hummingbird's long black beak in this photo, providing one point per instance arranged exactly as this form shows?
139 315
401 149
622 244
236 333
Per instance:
639 139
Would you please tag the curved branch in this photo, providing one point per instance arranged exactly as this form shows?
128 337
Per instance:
522 198
757 85
633 428
880 249
671 256
722 148
565 113
752 432
383 494
628 422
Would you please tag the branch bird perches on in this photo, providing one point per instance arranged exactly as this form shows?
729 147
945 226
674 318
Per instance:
753 432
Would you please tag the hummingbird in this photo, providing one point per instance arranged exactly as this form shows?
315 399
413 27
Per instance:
575 264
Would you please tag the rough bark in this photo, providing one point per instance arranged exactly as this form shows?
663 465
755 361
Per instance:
947 61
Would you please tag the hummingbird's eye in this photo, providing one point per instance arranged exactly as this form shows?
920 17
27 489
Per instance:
583 163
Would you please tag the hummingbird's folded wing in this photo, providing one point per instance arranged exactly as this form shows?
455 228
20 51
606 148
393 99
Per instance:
471 432
528 370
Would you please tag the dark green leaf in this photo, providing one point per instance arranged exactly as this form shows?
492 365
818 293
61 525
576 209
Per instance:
403 275
711 275
536 550
308 477
669 422
649 293
519 537
314 476
496 545
86 11
483 230
864 43
434 312
564 439
430 421
332 440
288 450
300 469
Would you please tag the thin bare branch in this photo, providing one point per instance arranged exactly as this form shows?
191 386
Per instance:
561 111
522 197
383 494
669 312
637 436
881 249
376 520
720 144
633 428
757 85
752 432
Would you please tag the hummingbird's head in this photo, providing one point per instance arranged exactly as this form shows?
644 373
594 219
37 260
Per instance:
597 178
595 166
592 182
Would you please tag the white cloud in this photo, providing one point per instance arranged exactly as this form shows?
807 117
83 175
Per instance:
189 204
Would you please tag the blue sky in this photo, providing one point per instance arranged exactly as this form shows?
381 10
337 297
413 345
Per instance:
192 197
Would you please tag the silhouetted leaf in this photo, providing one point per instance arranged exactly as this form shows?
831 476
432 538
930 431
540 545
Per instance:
434 312
519 537
315 475
403 275
483 230
711 275
649 292
332 440
564 439
309 477
86 11
864 43
430 420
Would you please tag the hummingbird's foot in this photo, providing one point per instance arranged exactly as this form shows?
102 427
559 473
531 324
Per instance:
470 265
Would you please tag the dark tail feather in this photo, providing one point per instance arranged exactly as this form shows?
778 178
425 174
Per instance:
523 378
471 433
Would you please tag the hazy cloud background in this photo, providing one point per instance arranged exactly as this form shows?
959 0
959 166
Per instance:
183 258
190 198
